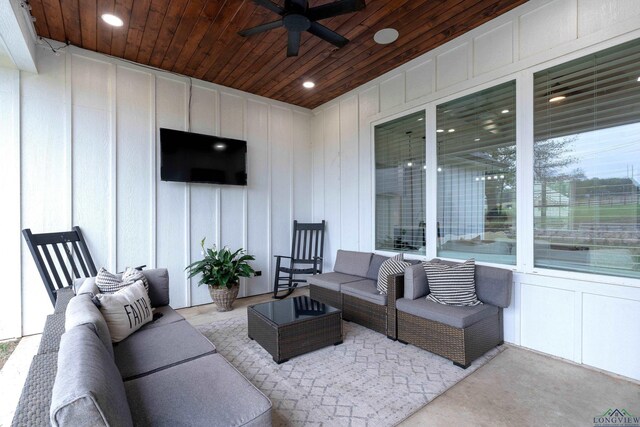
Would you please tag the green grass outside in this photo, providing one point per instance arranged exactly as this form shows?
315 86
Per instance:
6 348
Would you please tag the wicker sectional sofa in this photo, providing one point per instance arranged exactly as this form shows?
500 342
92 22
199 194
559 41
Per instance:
352 287
461 334
164 374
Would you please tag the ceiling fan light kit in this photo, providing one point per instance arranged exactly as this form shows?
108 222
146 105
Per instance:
297 17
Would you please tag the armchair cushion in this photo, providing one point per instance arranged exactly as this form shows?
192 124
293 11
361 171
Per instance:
158 286
374 266
351 262
455 316
366 290
82 311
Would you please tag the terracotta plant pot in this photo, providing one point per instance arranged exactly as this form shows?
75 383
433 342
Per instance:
224 297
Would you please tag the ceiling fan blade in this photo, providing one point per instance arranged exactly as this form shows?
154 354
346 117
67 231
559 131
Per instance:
261 28
327 35
293 45
271 6
330 10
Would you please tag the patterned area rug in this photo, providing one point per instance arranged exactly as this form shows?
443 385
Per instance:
369 380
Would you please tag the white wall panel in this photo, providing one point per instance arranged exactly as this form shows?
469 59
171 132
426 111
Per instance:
134 167
173 231
258 212
92 140
548 26
392 92
332 182
452 66
547 320
610 334
419 80
349 174
317 153
493 49
302 183
368 102
45 183
281 181
10 315
595 15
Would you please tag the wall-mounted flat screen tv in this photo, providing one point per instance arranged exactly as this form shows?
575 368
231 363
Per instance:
193 157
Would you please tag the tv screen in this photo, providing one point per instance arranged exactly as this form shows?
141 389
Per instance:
193 157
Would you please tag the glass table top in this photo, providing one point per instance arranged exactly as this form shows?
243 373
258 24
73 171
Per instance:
293 309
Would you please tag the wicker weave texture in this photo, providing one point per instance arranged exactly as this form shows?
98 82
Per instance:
286 341
33 407
365 313
462 346
327 296
53 330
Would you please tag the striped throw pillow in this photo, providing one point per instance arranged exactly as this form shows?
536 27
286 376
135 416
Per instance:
107 282
394 265
452 285
132 275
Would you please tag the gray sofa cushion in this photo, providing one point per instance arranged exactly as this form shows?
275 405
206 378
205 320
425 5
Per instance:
206 391
82 311
156 348
415 281
158 286
332 281
374 266
163 315
365 289
87 390
351 262
494 285
87 285
456 316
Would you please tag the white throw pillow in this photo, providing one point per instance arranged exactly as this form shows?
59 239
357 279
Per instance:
126 310
394 265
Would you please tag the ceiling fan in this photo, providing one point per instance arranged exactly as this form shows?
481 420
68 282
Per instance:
297 17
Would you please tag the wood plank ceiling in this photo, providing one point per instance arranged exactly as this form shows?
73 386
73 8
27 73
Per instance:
198 38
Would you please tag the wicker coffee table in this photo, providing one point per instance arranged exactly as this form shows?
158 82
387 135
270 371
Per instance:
294 326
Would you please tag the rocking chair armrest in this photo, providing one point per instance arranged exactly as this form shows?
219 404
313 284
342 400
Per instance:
281 256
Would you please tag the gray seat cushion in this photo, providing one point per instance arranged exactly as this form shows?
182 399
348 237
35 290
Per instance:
82 311
164 315
374 266
456 316
332 281
365 289
152 349
88 390
206 391
351 262
494 285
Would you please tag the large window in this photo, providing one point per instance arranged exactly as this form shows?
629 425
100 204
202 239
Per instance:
476 148
400 185
587 164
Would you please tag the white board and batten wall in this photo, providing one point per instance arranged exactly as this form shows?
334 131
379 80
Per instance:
81 147
593 320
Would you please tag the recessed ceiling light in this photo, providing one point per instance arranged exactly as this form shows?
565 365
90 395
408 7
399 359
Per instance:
505 111
309 84
439 130
386 36
451 130
420 119
439 169
477 139
112 20
409 164
639 79
219 146
557 98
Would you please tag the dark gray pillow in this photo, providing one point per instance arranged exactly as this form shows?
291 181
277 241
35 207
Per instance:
158 286
374 266
88 390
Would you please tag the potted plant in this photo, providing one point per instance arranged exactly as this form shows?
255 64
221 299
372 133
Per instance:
221 270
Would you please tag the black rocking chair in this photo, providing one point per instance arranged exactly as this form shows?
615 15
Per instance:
75 249
306 258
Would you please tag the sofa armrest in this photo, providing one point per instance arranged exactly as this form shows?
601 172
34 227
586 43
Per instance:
395 290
